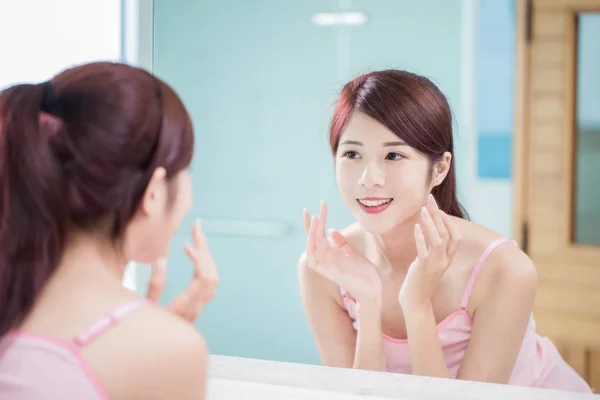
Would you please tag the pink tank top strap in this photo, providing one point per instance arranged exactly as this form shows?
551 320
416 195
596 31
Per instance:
477 267
344 293
107 321
346 299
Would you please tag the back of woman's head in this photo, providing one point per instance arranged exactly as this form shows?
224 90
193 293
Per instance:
77 153
414 109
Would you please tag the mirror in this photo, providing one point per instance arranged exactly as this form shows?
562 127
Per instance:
262 115
260 158
261 79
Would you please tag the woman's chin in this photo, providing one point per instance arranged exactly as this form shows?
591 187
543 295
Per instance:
381 224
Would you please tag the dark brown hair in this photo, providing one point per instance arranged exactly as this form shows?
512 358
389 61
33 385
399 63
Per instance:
414 109
77 152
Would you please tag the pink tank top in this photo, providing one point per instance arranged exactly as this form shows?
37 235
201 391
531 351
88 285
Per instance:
34 367
539 363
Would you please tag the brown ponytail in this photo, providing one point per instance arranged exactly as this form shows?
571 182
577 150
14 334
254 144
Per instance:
76 153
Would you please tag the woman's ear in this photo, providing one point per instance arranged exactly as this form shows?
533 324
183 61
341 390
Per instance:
156 194
440 169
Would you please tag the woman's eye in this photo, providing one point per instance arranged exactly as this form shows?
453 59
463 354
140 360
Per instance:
394 156
351 154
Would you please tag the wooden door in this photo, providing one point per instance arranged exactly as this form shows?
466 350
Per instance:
550 141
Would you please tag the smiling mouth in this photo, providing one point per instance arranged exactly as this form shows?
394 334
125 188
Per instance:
374 202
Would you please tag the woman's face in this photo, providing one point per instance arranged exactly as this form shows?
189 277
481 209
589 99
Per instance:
161 213
383 181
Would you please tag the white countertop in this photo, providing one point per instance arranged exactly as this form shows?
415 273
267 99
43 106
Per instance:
243 378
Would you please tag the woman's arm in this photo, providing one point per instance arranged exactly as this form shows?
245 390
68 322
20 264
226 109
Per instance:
426 356
504 294
338 343
436 239
507 285
369 353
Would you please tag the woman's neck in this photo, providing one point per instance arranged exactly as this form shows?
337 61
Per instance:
397 246
88 277
91 257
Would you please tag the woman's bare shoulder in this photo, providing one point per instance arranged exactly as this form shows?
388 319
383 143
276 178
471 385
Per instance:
475 238
503 263
155 346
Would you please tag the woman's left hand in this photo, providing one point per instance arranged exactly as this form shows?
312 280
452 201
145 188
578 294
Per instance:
436 239
190 303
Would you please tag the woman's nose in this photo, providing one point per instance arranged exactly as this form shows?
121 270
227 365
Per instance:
372 175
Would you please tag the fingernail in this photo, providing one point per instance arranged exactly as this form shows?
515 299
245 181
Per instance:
424 212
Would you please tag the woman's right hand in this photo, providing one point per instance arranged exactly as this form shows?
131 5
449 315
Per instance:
338 261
